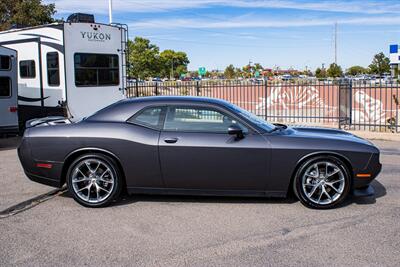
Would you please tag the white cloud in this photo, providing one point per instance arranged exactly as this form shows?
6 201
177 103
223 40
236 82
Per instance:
350 6
245 22
358 12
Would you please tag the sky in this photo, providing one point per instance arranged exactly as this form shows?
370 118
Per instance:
295 34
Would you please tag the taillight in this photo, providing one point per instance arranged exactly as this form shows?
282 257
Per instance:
12 109
44 165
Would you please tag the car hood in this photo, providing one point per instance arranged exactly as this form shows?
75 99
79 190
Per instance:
324 133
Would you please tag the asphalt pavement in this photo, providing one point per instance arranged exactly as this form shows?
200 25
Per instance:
53 230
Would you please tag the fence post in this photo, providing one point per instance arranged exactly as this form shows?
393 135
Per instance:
397 109
339 95
198 88
137 88
156 89
265 99
350 98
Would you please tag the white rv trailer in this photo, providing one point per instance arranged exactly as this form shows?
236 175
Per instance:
8 92
70 69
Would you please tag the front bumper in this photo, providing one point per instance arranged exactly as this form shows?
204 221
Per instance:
373 168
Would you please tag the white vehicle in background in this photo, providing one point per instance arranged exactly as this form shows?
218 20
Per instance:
68 68
8 92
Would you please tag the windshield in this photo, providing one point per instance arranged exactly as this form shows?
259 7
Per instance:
252 118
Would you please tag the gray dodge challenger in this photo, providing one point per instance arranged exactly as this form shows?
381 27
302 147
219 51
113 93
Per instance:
195 146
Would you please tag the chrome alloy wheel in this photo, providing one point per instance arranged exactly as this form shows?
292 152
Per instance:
92 180
323 182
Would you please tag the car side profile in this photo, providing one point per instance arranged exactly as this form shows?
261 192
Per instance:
195 146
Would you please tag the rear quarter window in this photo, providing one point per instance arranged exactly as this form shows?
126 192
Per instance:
151 117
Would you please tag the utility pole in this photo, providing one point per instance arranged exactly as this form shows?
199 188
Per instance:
110 11
336 43
250 69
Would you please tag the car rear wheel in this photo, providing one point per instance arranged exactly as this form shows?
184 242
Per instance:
322 182
94 180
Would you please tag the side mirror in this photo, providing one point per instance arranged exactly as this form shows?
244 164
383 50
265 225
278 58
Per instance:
235 130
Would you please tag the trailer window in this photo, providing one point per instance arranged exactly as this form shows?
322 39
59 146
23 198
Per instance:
5 87
53 69
5 63
27 69
96 69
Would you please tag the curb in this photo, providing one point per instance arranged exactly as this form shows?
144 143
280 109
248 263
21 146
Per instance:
377 135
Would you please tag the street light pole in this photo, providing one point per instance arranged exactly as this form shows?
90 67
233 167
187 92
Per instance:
110 11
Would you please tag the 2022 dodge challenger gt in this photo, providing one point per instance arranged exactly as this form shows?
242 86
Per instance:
195 146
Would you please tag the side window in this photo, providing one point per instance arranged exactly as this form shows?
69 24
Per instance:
5 63
27 69
5 87
149 117
53 69
199 119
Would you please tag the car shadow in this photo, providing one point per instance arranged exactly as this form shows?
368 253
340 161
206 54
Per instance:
126 199
380 191
129 199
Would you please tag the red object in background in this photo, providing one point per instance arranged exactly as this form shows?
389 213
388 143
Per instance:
12 109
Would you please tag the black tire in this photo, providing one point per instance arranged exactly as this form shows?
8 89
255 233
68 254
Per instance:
114 172
305 199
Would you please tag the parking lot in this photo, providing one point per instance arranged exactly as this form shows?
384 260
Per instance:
51 229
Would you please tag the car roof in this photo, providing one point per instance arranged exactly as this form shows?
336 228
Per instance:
169 99
124 109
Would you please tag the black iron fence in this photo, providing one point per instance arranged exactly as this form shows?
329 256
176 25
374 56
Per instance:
358 105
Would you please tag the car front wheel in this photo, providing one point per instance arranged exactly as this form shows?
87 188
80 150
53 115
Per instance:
94 180
322 182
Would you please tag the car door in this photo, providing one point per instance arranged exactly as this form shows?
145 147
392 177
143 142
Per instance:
141 157
196 151
8 91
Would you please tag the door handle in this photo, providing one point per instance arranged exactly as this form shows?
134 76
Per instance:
171 140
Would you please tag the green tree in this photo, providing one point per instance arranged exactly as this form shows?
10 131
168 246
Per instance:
334 71
230 72
173 62
380 64
356 70
258 67
144 58
320 73
25 12
247 71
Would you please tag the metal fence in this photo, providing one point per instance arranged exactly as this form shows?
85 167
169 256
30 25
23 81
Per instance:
355 105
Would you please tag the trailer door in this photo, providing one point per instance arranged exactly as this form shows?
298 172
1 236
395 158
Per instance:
93 67
8 91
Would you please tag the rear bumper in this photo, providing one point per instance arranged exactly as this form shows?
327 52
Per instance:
48 176
43 180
